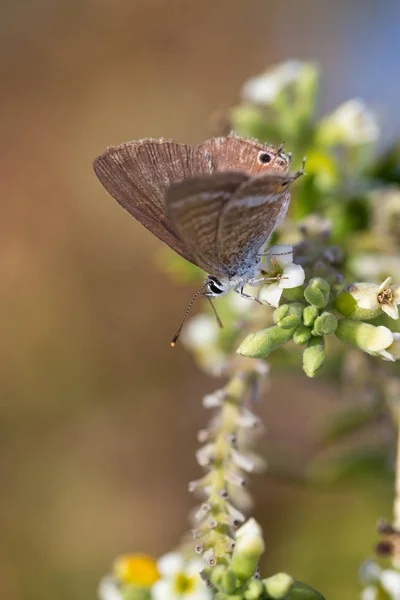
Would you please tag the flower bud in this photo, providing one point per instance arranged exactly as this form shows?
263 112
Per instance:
317 292
367 337
262 343
302 334
288 316
325 324
347 302
314 356
293 294
254 590
248 550
223 579
278 585
310 313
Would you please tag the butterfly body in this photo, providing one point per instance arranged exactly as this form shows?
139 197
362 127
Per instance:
215 204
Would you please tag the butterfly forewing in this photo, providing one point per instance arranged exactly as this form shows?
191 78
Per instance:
194 208
138 174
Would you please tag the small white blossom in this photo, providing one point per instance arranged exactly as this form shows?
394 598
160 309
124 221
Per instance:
180 579
381 342
352 123
201 331
390 581
109 589
265 88
384 296
369 593
280 266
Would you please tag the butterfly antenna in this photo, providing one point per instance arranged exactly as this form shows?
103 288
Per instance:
177 334
215 313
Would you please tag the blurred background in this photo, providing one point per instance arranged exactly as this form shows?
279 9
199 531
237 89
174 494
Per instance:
98 416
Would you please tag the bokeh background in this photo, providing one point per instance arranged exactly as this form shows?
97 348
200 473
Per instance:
98 416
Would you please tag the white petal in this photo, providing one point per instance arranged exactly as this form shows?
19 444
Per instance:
200 592
270 294
391 310
170 564
194 566
385 355
382 339
396 292
369 593
202 330
385 284
164 590
293 276
369 300
390 580
108 589
281 254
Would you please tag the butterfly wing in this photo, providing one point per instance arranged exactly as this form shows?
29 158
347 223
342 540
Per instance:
137 174
234 153
194 208
248 219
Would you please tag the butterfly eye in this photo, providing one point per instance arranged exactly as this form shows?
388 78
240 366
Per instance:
264 158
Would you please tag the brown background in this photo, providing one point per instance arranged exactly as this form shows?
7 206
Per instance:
98 416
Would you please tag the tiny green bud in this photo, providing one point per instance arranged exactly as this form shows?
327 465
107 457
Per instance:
293 294
325 324
314 356
254 590
317 292
248 550
301 591
310 313
302 334
288 316
262 343
223 579
278 585
367 337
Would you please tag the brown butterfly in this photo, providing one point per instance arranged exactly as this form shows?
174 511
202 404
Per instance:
215 204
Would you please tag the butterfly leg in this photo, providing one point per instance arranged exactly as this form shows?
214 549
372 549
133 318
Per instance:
243 295
260 280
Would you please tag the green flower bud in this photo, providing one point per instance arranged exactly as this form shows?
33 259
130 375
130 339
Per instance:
325 324
314 356
278 585
294 294
262 343
347 303
302 334
254 590
367 337
317 292
223 579
288 316
310 313
248 550
301 591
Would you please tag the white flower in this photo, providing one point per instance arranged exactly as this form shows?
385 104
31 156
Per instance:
279 266
180 579
249 535
265 88
384 296
352 123
390 581
109 589
201 331
369 593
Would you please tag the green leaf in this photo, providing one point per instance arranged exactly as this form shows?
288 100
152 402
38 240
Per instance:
302 591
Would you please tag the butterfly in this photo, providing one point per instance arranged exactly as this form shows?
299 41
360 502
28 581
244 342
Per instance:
216 204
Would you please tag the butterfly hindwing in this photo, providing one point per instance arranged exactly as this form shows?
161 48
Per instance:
194 209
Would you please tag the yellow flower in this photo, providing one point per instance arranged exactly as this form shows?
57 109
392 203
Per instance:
137 569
